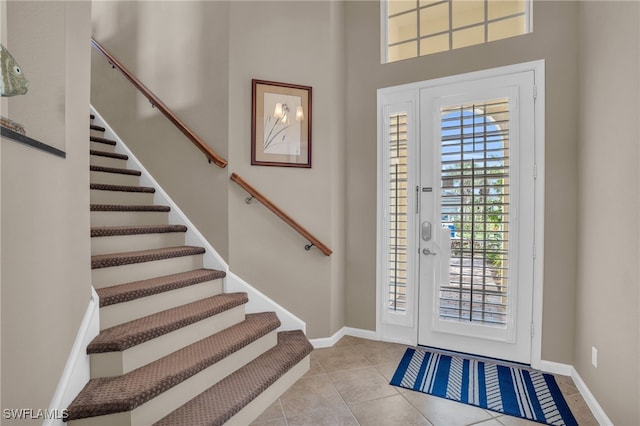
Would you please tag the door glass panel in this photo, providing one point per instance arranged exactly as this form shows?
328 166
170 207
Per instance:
397 208
475 199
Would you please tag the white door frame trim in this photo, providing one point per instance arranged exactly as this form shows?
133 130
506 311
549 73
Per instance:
410 335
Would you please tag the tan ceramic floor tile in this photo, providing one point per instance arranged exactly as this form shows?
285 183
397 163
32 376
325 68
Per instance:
275 422
361 385
442 412
341 358
389 411
387 369
313 398
381 353
315 368
515 421
566 385
271 416
349 341
581 410
492 422
351 379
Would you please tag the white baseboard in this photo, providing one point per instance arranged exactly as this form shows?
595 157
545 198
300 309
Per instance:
591 401
569 370
327 342
259 302
76 372
555 368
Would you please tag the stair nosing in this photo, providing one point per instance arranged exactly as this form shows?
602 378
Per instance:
113 231
102 140
107 154
135 290
100 261
121 188
97 128
115 170
129 208
226 343
252 377
124 336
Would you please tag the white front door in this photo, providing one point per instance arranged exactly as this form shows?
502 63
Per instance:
476 221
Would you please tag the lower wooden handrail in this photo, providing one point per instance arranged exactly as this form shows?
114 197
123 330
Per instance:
282 215
211 155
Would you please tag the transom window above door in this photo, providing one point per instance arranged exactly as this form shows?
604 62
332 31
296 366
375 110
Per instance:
415 28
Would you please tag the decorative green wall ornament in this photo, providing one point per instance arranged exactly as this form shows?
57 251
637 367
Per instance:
12 83
12 79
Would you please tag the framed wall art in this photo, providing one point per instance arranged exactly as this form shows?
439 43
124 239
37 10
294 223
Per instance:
280 124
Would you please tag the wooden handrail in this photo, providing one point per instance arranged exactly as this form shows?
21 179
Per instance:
156 102
282 215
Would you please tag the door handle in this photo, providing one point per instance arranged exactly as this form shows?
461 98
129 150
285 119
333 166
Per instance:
428 252
426 230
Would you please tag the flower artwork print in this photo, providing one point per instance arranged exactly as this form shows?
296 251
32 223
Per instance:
281 126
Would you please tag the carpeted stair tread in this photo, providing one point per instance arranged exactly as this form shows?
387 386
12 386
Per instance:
108 154
124 336
223 400
138 289
102 140
121 188
124 393
92 116
111 231
115 170
127 258
128 208
96 127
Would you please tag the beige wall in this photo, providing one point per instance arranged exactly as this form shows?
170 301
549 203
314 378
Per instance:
555 40
41 111
45 232
179 50
608 240
199 58
301 43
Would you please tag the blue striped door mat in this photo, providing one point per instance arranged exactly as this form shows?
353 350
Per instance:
519 392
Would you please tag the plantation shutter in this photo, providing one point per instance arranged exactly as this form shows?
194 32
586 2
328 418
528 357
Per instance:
475 207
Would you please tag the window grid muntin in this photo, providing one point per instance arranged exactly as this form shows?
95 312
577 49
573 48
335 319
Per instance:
418 39
461 299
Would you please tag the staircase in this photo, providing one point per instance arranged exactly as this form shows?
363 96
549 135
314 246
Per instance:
173 347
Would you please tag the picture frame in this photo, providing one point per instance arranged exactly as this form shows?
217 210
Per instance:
280 124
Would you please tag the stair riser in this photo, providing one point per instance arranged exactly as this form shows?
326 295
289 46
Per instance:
120 313
115 363
173 398
128 218
101 146
122 243
120 197
113 178
256 407
163 404
104 277
97 160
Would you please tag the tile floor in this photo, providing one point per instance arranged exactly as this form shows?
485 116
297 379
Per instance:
348 384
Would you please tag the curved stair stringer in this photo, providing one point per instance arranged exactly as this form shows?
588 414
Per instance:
258 301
